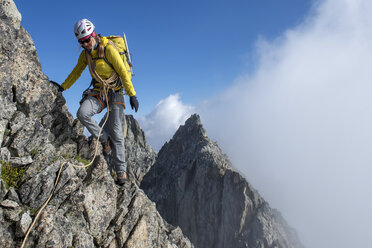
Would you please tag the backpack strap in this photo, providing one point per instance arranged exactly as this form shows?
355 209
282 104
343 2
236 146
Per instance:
106 60
104 54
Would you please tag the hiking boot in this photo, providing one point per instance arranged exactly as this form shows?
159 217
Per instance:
106 147
122 177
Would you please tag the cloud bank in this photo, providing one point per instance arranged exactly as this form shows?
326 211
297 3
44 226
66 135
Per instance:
300 126
164 120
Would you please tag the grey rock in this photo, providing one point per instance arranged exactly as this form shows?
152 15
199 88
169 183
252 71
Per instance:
13 214
13 196
83 240
104 214
54 229
23 137
23 224
68 149
18 122
176 240
77 129
9 204
195 187
20 161
100 200
45 153
70 181
7 235
138 224
3 190
9 108
4 155
3 124
36 191
83 146
112 216
140 156
9 11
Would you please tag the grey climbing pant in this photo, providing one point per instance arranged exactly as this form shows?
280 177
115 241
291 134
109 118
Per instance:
113 128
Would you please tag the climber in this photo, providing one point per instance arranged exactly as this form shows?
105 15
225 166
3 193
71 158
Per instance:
97 53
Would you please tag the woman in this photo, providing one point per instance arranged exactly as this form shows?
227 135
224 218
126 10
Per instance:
105 64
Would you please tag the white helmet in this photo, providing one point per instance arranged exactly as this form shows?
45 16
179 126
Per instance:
83 28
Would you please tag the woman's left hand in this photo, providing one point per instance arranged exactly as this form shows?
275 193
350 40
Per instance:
134 102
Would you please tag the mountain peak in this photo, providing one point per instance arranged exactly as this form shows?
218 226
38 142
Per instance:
194 121
192 132
192 127
195 187
189 143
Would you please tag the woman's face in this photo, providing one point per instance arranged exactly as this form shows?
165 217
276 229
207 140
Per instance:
88 43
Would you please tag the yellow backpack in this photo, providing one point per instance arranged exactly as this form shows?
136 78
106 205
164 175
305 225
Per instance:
120 43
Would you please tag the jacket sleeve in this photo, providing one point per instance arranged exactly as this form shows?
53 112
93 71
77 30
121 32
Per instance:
114 58
76 72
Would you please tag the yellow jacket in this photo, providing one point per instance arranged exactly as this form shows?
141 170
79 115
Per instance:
102 68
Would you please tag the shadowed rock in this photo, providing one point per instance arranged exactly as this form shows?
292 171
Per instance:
194 187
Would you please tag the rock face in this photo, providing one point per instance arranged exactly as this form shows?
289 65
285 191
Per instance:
119 217
195 187
37 135
139 154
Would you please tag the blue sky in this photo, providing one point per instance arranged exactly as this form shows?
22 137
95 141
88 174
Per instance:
193 48
284 87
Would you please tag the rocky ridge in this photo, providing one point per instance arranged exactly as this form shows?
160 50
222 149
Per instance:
195 187
38 134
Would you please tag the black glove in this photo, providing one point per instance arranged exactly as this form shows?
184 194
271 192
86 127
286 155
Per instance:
60 89
134 102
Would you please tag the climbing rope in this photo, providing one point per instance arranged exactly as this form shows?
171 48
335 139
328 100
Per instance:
106 85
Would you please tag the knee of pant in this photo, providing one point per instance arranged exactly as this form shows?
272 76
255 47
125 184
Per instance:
117 136
81 115
117 127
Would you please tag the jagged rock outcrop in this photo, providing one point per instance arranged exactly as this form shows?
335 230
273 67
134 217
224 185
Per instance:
194 187
138 153
37 135
94 212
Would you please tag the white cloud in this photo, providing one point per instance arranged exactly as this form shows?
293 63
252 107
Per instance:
164 120
300 126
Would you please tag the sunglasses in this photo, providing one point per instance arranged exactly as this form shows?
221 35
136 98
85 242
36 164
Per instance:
85 40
